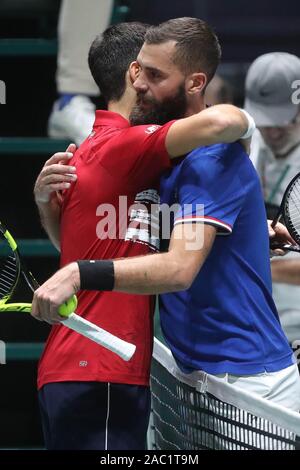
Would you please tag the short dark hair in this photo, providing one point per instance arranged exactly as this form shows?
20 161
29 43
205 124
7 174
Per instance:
111 54
197 47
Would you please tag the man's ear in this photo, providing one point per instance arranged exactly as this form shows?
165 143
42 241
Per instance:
134 70
196 82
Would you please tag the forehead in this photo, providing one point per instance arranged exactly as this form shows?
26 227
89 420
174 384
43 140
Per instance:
158 56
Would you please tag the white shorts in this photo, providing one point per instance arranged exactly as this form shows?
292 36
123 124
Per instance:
281 387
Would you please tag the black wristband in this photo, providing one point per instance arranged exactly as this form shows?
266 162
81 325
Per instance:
96 275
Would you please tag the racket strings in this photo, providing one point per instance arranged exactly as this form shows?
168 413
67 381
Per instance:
8 275
293 210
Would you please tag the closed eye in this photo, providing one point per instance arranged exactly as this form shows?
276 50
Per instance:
154 74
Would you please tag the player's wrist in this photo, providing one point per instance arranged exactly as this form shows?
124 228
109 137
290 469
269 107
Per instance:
251 125
45 198
41 198
96 275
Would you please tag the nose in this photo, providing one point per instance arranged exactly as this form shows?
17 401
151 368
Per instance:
140 84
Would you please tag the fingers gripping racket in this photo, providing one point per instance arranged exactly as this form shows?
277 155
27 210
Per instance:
289 211
11 269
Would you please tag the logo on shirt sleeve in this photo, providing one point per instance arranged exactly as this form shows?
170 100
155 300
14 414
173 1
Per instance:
152 129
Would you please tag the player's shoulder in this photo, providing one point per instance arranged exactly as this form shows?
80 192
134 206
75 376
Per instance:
210 160
143 129
209 154
217 150
130 137
222 150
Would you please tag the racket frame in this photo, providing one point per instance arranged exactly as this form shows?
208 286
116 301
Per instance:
75 322
282 214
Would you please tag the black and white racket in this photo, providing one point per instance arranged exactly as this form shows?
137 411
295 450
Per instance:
289 212
12 268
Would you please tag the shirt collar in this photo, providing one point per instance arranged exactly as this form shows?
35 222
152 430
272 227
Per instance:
111 119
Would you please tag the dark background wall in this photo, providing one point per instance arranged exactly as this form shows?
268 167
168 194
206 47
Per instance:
246 29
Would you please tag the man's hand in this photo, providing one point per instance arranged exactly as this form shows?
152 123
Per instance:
56 175
54 292
279 234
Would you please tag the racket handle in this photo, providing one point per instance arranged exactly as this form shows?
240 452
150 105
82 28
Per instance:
285 247
93 332
277 218
82 326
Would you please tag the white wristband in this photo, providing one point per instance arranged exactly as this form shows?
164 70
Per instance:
251 125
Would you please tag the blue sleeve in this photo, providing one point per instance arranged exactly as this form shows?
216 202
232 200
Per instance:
209 188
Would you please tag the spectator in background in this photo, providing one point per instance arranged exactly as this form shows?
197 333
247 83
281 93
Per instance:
218 91
73 114
276 154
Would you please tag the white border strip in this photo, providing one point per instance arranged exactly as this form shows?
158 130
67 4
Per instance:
204 220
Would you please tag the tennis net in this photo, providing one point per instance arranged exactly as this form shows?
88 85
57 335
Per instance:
199 411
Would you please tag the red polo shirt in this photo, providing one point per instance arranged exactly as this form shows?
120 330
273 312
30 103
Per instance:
115 160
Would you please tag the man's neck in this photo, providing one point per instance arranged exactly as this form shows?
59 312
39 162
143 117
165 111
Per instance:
125 104
117 107
195 107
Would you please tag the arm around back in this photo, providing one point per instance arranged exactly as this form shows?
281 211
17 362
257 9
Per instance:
220 123
167 272
152 274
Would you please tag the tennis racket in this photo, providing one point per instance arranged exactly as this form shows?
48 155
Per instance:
12 268
289 212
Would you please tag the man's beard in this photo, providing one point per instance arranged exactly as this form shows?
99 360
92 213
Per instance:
159 112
